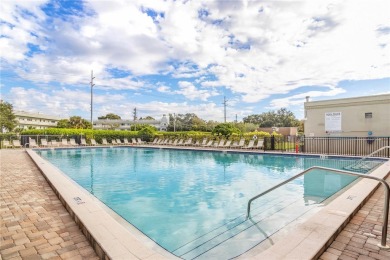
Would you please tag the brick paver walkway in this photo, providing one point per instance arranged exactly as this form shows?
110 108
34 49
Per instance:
360 237
34 223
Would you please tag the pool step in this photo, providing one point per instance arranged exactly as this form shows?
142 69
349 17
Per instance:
362 167
241 235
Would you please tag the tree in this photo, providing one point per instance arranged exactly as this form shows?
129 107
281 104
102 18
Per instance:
63 123
74 122
147 118
246 127
79 123
147 132
7 117
226 129
110 116
279 118
186 122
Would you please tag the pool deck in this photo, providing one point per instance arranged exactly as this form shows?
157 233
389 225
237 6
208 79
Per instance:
35 225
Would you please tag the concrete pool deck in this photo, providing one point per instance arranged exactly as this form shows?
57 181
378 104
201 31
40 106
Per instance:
356 241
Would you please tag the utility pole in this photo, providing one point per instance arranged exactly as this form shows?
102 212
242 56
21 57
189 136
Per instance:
135 114
224 107
236 119
135 118
174 122
92 77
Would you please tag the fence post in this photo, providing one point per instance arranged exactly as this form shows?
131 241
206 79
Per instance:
272 142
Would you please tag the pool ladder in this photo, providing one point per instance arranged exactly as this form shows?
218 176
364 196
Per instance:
359 164
385 184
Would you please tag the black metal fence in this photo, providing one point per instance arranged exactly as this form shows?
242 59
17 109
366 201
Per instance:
356 146
283 143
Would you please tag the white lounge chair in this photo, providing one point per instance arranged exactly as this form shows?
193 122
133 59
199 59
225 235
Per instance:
93 142
250 144
170 142
181 142
188 142
204 142
44 142
125 141
54 143
72 142
134 141
83 142
154 141
118 141
139 141
197 143
32 143
16 144
260 144
240 144
64 142
113 142
227 144
221 143
7 144
210 143
104 141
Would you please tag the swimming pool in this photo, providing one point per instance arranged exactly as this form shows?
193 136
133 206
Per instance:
193 203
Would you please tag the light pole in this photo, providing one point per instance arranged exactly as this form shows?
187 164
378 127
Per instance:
92 77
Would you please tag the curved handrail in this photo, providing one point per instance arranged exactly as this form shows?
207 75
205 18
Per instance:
385 208
371 154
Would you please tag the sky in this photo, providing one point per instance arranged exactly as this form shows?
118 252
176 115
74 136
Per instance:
180 57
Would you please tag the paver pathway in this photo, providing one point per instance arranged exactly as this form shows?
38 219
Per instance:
34 223
359 239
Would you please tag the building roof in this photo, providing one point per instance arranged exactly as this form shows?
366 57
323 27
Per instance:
36 115
352 101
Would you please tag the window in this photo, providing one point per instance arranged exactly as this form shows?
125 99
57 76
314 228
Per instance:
368 115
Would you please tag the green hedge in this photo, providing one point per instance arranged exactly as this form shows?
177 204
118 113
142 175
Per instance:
98 135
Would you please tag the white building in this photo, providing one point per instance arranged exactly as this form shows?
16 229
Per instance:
358 116
125 124
28 120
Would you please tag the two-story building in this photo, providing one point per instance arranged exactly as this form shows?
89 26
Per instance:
28 120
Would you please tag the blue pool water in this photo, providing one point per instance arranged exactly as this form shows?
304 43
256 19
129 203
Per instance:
194 202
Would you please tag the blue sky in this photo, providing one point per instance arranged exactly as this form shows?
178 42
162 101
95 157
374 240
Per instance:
185 56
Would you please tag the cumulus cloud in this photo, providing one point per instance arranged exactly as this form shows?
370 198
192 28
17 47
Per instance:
254 49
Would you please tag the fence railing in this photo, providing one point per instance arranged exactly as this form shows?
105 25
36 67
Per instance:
355 146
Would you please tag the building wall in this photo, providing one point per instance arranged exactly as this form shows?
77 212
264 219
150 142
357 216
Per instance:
35 120
360 116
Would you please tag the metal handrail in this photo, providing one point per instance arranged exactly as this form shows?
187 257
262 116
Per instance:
371 154
385 208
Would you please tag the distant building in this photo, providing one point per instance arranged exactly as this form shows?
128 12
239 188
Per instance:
359 116
280 130
26 120
125 124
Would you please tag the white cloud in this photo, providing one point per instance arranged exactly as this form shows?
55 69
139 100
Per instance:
255 49
300 98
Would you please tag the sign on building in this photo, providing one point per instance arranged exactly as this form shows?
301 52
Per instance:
333 122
